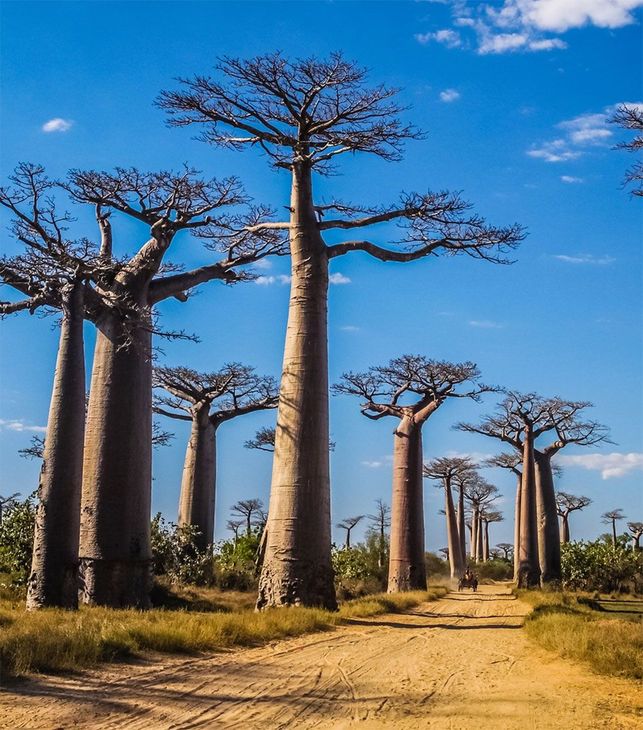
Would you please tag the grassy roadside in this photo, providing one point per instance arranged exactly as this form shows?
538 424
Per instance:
609 641
57 641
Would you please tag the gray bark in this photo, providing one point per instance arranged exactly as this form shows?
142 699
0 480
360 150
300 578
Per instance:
115 553
461 525
517 517
456 560
528 566
297 566
547 519
54 569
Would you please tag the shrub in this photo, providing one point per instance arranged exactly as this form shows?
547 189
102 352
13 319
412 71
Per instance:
16 540
175 554
600 566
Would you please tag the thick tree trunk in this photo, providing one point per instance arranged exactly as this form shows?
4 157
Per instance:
517 529
479 541
461 525
485 542
297 566
407 569
198 484
54 568
564 533
453 538
547 519
115 554
474 533
528 567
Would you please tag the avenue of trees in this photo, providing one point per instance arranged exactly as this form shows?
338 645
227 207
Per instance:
92 531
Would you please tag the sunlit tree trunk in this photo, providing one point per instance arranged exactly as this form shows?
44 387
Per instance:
297 565
517 516
456 562
547 519
479 540
485 542
461 525
198 484
528 567
54 569
564 533
407 569
115 554
474 532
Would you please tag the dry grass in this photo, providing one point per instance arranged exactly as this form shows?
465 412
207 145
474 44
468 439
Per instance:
53 640
567 624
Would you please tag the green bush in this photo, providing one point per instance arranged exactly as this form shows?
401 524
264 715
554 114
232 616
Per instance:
176 556
600 566
16 540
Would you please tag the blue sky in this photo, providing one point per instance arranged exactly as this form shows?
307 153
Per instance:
514 97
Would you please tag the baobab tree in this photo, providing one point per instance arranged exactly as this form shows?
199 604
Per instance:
488 517
451 471
520 420
251 512
264 440
410 388
115 515
610 518
631 117
635 530
511 462
506 548
304 114
206 400
234 526
56 274
348 524
480 494
381 521
566 504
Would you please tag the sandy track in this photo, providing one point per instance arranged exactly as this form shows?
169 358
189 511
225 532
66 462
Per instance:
461 662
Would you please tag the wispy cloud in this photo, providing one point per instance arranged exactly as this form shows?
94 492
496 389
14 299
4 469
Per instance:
57 124
449 95
555 151
447 37
476 456
263 264
372 464
268 280
349 328
571 180
20 426
338 278
610 466
485 324
585 258
527 26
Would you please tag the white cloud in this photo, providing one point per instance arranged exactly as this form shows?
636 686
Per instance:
57 124
268 280
570 179
338 278
349 328
263 264
449 95
447 37
372 464
588 128
586 258
610 465
557 150
526 25
485 324
20 426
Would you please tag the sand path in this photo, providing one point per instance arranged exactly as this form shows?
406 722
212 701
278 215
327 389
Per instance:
461 662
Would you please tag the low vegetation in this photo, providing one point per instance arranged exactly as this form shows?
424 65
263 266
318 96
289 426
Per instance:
605 633
53 640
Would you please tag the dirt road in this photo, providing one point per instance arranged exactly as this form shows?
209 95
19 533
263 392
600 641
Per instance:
461 662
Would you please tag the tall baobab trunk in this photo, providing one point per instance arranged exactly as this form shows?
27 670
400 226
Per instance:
196 504
564 533
461 525
54 568
453 538
528 567
479 540
297 564
517 516
407 569
547 519
485 542
474 533
115 553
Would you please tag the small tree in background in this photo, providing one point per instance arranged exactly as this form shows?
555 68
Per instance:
610 518
348 524
566 504
636 530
